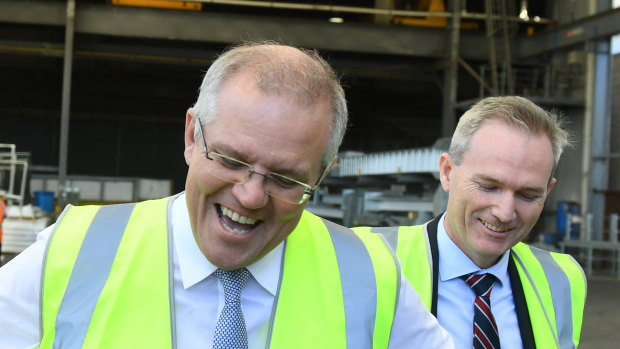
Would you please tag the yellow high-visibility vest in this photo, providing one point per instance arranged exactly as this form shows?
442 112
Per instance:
553 283
107 283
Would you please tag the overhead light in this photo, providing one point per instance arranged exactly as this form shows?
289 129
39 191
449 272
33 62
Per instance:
523 14
336 20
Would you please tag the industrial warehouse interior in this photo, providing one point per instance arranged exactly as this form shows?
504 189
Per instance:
94 95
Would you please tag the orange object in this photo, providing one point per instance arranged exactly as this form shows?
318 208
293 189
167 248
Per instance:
176 5
431 21
530 31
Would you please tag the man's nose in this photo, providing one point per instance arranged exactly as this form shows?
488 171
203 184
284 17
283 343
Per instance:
251 194
504 209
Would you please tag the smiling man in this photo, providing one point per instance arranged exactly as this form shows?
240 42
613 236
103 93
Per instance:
234 261
468 264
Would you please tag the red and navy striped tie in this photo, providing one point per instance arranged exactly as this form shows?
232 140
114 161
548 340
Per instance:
485 328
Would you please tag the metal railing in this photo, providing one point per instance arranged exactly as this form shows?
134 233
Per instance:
586 243
10 163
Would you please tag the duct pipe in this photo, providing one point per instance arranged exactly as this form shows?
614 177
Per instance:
361 10
66 95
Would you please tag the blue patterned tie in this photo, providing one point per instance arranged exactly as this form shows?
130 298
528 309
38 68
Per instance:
230 332
485 328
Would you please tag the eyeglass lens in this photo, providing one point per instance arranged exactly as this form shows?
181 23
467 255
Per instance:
279 186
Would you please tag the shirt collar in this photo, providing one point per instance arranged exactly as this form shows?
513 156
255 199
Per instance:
454 262
193 265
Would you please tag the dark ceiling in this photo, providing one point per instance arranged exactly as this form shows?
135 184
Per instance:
129 93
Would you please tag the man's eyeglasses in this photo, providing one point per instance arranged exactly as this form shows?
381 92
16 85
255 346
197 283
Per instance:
275 185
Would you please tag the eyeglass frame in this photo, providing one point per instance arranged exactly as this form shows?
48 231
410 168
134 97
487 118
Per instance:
308 191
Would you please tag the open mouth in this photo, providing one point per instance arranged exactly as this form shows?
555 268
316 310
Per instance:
234 222
493 228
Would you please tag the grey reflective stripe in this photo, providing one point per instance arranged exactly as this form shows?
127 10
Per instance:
275 301
173 321
90 273
540 301
47 247
560 287
398 269
356 273
390 233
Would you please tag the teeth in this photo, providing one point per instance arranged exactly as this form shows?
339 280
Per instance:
492 227
234 216
234 230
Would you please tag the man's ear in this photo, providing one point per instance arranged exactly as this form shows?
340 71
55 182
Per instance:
190 141
445 168
551 184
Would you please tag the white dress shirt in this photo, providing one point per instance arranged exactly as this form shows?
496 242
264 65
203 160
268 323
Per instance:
455 298
196 314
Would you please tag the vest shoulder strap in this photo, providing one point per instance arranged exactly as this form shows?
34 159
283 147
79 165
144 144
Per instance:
554 288
413 249
98 261
328 266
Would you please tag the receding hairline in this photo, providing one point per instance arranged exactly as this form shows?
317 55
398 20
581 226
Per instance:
280 69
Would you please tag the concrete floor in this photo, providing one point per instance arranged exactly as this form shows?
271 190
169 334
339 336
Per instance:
601 318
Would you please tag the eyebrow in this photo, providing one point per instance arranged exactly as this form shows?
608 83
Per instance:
227 150
538 190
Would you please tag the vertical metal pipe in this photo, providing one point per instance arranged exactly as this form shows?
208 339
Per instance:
547 81
613 228
507 50
568 224
596 125
482 75
600 133
587 131
450 82
66 96
589 255
13 169
22 190
492 51
613 237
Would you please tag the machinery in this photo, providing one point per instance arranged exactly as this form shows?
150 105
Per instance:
385 188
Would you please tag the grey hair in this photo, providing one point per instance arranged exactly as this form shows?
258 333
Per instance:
307 77
517 111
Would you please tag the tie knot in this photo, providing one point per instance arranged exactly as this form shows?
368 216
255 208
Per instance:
480 283
233 281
